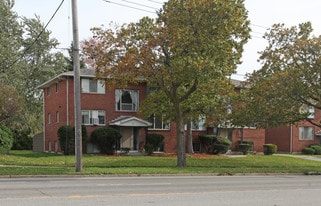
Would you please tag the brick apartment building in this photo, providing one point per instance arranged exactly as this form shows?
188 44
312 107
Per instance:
118 108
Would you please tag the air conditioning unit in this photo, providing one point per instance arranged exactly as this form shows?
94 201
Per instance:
95 121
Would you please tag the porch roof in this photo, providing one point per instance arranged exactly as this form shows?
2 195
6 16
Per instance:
129 121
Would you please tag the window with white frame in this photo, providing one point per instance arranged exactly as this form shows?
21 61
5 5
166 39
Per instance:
57 117
126 100
199 124
158 123
48 91
93 117
49 118
57 87
92 86
306 133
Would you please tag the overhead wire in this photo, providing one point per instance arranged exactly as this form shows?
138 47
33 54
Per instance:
138 4
157 2
132 7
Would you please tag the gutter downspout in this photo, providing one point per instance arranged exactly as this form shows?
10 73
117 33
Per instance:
291 139
67 100
44 121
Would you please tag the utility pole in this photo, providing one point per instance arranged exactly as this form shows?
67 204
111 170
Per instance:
78 135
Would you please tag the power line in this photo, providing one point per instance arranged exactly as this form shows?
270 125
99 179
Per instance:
264 27
155 2
129 6
37 38
135 3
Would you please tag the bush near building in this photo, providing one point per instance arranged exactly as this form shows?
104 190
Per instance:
105 138
6 139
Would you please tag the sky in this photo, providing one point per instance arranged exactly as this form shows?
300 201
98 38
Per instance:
96 13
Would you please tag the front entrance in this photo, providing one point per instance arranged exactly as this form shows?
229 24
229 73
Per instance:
129 138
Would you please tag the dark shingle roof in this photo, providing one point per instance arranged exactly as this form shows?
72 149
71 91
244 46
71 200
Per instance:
82 73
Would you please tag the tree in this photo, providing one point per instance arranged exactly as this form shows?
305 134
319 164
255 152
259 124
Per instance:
27 60
191 44
10 36
289 81
10 102
70 61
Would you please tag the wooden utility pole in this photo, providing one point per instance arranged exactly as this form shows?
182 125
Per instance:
78 135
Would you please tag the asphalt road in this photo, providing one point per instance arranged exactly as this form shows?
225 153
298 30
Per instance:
281 190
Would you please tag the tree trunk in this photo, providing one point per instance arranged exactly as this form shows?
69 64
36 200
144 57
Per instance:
181 151
241 135
189 138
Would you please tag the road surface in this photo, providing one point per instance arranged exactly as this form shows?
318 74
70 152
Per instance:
162 191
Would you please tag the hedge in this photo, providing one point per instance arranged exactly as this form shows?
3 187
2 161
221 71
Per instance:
269 149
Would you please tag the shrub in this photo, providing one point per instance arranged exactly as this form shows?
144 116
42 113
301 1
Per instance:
221 145
215 145
245 148
6 140
66 136
269 149
317 149
149 149
207 142
308 150
156 140
105 138
22 139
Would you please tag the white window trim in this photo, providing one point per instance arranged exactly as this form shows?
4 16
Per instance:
57 117
163 123
304 138
85 86
49 118
135 99
93 117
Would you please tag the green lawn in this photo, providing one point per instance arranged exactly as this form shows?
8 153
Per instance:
29 163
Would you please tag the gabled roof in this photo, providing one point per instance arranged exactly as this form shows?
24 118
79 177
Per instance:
240 84
83 73
129 121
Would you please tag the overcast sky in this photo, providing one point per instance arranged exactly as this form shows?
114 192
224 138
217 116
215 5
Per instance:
95 13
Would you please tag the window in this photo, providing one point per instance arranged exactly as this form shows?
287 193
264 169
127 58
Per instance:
126 100
158 123
57 117
48 91
199 124
57 87
93 117
49 118
306 133
92 86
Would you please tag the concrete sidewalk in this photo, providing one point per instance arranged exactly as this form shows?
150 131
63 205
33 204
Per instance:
313 158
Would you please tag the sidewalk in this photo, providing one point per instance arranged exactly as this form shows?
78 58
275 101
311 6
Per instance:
313 158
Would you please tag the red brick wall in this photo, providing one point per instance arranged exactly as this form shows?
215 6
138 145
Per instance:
281 136
255 135
170 140
57 101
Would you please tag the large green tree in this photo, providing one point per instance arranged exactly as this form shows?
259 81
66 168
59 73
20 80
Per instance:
10 36
10 103
289 82
27 59
191 44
